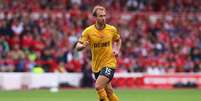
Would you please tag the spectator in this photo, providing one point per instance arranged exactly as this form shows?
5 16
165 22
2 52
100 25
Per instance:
41 33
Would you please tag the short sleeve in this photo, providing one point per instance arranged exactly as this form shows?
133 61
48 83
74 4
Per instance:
84 37
116 34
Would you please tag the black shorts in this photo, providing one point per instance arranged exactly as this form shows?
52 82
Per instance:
107 72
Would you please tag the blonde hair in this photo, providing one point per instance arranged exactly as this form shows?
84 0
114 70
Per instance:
97 7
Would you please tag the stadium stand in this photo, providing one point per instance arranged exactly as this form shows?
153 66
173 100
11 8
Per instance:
158 36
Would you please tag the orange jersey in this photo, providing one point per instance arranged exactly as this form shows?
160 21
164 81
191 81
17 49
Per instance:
100 42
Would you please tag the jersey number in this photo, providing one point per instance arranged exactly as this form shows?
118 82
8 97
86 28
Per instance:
108 71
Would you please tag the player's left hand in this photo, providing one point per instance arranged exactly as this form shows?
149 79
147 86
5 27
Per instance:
115 53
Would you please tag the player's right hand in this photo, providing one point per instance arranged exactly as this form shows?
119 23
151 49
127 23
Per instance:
86 43
80 46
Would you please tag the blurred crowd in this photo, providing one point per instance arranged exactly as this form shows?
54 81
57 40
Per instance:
158 36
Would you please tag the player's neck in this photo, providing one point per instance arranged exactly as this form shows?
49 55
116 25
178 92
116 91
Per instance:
100 26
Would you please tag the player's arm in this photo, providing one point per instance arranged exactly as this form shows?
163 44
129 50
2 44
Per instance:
116 47
81 45
116 43
83 41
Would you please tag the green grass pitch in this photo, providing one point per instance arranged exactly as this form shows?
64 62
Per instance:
90 95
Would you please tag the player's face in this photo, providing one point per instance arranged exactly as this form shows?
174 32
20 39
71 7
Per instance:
101 16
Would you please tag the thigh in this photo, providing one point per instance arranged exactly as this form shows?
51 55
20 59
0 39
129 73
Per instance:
107 72
104 77
101 82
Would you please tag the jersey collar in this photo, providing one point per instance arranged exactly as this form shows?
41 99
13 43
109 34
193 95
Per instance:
100 29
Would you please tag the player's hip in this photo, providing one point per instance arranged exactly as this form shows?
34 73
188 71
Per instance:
98 68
